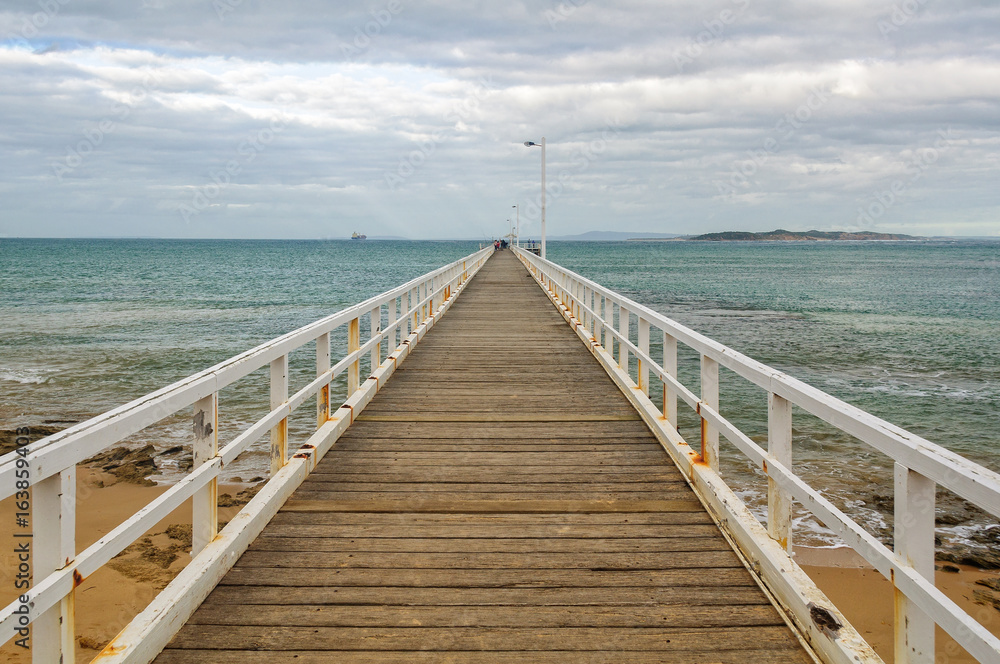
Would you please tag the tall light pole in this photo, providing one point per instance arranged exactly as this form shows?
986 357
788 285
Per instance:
531 144
518 218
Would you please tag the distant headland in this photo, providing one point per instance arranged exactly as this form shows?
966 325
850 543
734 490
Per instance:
781 235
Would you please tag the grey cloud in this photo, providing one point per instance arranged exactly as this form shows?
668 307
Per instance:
820 103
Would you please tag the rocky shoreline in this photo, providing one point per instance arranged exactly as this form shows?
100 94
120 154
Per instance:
136 465
979 547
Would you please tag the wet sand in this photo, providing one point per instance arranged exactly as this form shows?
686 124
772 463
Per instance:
109 599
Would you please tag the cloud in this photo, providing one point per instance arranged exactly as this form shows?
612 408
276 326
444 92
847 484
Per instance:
300 119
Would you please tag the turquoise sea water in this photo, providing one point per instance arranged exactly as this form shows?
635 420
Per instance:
907 331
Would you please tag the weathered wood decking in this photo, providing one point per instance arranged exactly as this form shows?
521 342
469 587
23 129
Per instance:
498 501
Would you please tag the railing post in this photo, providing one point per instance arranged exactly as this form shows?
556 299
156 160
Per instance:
594 301
422 295
322 366
779 446
205 503
643 370
354 368
710 396
914 543
588 295
279 395
581 291
623 330
670 366
414 297
607 315
392 315
376 330
53 543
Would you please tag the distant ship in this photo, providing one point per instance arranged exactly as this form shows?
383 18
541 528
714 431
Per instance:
355 236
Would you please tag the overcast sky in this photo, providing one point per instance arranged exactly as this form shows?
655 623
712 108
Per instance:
307 119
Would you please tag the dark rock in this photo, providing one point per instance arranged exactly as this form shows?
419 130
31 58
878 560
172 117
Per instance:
988 536
883 503
227 500
180 532
8 437
973 556
128 465
990 582
92 644
950 519
242 498
986 598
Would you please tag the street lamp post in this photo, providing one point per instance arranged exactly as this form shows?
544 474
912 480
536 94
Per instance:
531 144
518 221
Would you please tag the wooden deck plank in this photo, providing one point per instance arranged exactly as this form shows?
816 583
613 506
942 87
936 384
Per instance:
599 531
670 586
523 430
498 501
511 513
498 474
491 616
708 656
726 593
709 541
623 639
685 553
647 458
470 510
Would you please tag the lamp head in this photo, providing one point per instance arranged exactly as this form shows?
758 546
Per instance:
530 144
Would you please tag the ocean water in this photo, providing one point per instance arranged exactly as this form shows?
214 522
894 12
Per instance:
907 331
87 325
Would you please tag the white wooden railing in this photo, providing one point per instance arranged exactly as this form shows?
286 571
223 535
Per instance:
603 320
397 320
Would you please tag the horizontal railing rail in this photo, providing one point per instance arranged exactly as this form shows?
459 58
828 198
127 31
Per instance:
397 319
919 465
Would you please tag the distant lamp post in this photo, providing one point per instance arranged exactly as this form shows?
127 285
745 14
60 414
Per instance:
532 144
518 219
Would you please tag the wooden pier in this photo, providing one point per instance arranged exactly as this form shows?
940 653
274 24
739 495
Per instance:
499 500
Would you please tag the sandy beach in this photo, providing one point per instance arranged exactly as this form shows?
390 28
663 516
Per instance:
109 599
865 597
